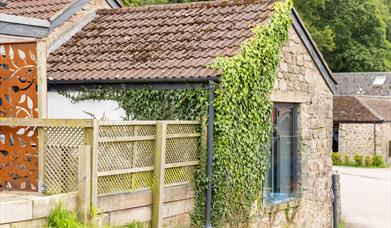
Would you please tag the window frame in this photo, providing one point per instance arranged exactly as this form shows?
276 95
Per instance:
294 150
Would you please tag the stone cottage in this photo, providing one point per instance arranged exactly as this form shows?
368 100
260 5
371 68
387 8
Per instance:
174 44
362 114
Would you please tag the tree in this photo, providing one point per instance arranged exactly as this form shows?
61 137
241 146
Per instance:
351 34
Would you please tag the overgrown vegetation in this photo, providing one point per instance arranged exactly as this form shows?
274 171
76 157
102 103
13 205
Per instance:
374 161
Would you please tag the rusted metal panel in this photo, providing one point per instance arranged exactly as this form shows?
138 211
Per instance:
18 99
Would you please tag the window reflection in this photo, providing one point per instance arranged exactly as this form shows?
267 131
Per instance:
282 182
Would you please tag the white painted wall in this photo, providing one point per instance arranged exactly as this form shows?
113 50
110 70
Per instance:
62 108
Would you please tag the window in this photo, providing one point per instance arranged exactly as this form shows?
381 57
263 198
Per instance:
282 182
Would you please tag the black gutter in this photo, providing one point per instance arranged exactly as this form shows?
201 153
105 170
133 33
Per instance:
208 204
163 83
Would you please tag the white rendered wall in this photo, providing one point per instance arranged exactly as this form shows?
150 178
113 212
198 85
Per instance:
61 107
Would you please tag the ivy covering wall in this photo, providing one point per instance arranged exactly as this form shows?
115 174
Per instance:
150 104
242 124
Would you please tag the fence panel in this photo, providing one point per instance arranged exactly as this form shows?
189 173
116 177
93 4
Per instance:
62 158
181 152
126 154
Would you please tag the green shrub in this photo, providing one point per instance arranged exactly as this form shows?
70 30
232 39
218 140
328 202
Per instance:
336 157
347 161
60 217
358 160
368 161
377 161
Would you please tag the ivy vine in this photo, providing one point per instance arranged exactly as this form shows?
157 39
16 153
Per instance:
243 110
242 124
149 103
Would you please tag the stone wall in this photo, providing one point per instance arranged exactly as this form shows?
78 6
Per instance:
299 81
359 138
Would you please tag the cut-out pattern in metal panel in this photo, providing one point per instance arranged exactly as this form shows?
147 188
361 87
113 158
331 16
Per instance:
18 99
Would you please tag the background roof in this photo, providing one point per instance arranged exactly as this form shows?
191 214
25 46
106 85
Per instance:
157 42
362 84
362 109
41 9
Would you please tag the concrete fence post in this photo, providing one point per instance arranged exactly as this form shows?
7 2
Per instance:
158 184
84 182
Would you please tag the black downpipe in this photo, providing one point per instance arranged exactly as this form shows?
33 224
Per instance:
374 138
208 206
335 200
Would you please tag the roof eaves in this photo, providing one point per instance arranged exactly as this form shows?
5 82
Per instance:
313 50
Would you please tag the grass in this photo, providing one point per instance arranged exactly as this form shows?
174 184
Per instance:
342 224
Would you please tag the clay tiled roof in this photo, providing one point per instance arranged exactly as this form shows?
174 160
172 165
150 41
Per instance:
40 9
352 84
157 42
362 109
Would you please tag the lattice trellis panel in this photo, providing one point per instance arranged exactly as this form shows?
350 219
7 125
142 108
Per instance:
179 150
126 155
62 158
182 150
126 148
179 175
182 128
125 182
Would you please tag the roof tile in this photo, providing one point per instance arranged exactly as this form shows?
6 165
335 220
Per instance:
155 42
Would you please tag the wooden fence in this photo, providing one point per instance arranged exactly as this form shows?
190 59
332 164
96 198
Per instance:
102 158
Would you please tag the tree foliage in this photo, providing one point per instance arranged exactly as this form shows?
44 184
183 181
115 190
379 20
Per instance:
353 35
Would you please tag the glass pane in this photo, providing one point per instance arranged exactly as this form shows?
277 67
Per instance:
282 179
284 151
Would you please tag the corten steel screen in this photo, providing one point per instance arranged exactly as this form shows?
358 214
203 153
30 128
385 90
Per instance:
18 99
